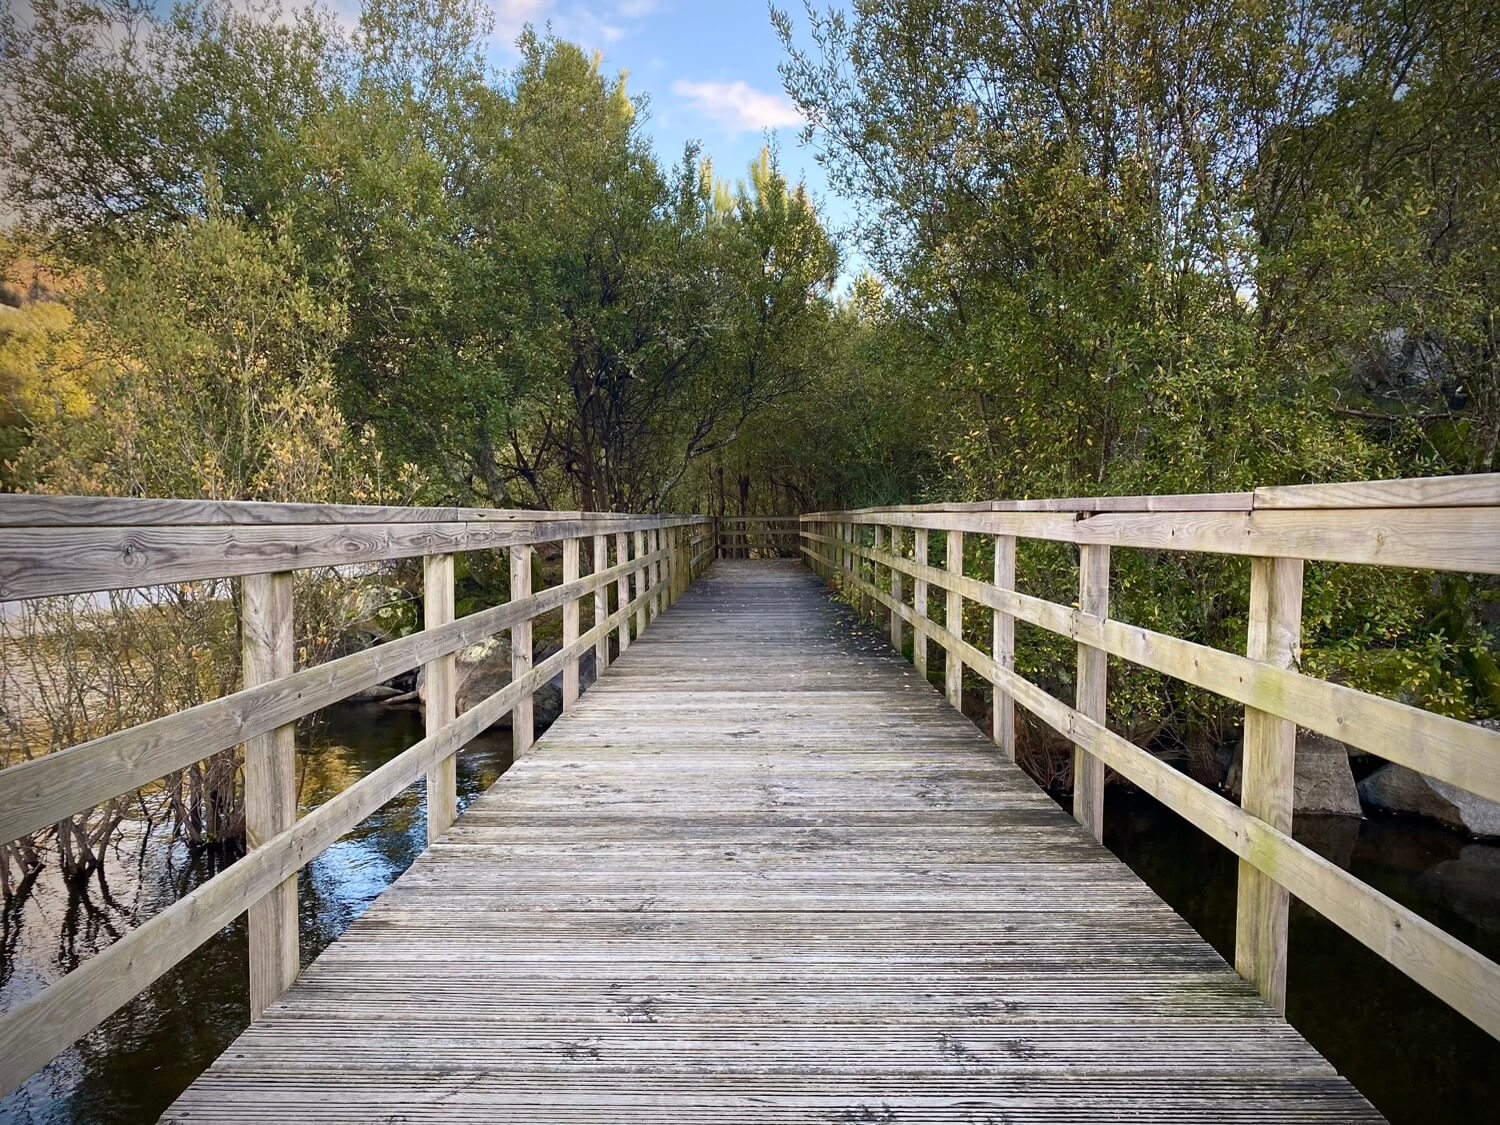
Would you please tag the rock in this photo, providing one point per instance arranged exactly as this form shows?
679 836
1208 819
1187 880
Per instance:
1396 789
484 668
377 693
1325 783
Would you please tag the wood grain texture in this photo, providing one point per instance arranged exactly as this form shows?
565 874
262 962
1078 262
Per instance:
1460 753
1003 649
1456 973
1268 777
42 791
570 572
267 653
601 603
953 620
622 559
1092 689
41 1026
523 718
44 561
440 705
762 872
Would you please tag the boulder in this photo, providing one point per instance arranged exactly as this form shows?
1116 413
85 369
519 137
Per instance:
484 668
1396 789
1324 782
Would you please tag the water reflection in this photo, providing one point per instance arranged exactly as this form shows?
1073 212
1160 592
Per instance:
135 1064
1417 1061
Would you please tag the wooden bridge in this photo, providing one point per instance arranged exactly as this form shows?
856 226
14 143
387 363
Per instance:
761 869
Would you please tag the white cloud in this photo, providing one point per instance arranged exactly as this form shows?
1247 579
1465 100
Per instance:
512 15
737 106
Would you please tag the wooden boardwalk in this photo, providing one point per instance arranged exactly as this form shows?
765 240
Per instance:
763 872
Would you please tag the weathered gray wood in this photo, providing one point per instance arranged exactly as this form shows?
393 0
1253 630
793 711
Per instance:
919 602
679 908
1093 667
523 718
642 614
267 652
601 604
1268 776
898 638
622 559
570 573
953 620
1460 753
43 561
1439 962
1003 649
440 706
40 792
43 1025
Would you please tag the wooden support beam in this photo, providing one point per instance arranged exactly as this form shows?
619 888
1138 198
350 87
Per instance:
1093 672
919 603
440 685
953 620
1268 776
878 545
570 573
1003 649
523 717
897 632
622 594
641 583
267 651
601 605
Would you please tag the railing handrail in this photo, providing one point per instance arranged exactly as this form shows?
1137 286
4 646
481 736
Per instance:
73 545
1448 523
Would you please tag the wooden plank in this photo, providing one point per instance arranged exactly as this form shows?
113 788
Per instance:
46 561
1003 649
440 684
640 582
46 1023
267 652
1268 773
523 717
622 560
40 792
570 573
1480 490
1449 539
1093 668
671 911
1450 750
953 619
919 602
898 638
1456 973
601 604
24 510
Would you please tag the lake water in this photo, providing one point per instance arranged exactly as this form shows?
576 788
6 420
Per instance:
1416 1060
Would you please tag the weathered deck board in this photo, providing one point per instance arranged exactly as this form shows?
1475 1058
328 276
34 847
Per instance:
763 872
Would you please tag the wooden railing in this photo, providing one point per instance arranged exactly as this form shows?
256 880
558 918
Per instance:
1449 524
745 537
53 546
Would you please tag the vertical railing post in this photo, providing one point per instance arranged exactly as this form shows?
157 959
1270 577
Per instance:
1093 670
878 544
659 602
601 606
523 718
622 586
919 603
440 685
953 621
267 650
570 614
897 587
1003 649
640 581
1268 776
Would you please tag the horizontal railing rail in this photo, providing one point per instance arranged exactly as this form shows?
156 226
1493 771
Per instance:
1450 524
73 545
743 537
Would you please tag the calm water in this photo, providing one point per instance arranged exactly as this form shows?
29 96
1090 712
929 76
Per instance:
1415 1059
136 1063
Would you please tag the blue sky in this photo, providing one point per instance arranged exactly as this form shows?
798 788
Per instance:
708 68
